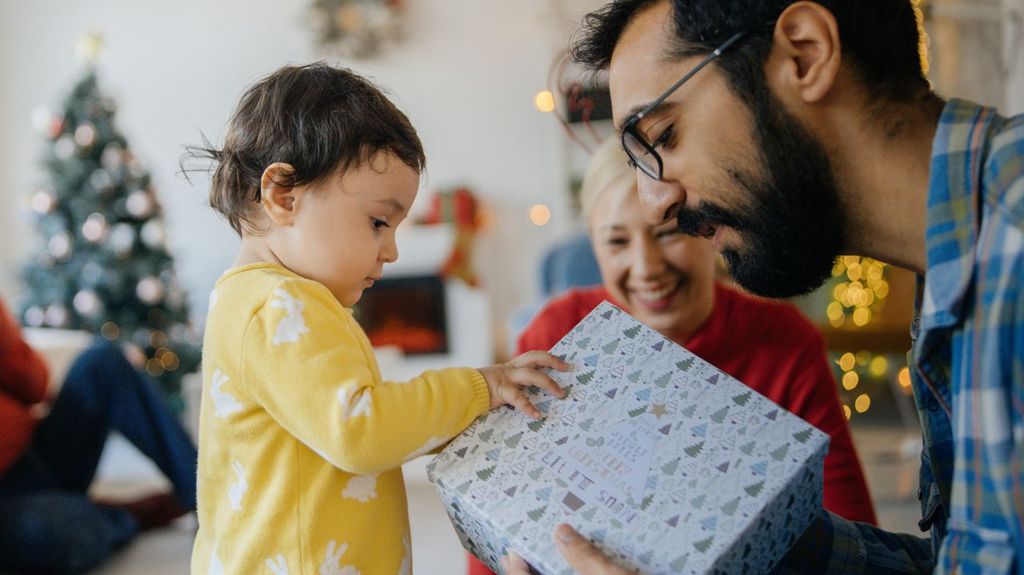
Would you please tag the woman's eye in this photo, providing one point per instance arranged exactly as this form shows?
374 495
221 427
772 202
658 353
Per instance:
378 224
617 242
664 138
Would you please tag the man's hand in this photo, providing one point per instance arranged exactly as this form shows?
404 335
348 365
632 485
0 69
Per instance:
577 551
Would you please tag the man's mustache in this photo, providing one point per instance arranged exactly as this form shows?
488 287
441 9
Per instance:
702 220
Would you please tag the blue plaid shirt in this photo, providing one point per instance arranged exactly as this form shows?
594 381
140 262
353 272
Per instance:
967 369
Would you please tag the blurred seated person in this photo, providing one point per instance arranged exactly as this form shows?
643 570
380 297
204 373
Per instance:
48 522
667 280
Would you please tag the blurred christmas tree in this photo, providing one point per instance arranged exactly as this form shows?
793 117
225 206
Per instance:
104 266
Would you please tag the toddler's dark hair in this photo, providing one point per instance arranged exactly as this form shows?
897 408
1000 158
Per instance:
318 118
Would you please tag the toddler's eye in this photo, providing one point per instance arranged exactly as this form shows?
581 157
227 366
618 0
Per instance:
378 223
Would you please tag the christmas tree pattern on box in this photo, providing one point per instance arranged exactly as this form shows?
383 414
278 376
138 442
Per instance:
667 463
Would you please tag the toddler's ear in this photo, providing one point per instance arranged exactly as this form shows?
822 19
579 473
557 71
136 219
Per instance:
277 194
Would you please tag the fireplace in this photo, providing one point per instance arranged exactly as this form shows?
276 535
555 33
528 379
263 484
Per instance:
408 313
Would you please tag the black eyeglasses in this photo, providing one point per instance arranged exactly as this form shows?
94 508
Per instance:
643 155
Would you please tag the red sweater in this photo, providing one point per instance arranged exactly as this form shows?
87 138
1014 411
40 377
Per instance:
23 378
768 346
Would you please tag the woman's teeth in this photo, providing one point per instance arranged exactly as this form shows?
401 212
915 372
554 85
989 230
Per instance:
655 295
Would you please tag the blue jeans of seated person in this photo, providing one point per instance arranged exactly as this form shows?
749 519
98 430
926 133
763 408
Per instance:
47 522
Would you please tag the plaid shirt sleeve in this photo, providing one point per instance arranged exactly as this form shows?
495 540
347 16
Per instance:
836 546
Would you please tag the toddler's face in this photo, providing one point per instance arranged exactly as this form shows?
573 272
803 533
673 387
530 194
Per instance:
344 232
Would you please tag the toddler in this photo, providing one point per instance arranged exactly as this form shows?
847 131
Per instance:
300 442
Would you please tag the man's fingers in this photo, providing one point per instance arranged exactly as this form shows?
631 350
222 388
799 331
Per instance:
582 555
514 565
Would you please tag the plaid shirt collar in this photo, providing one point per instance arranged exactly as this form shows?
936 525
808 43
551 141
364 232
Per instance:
953 210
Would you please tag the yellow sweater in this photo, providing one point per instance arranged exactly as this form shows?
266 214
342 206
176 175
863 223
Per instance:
300 442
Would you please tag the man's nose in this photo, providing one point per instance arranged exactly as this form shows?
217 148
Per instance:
659 201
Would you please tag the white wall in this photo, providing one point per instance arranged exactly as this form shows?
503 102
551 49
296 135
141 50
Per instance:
466 74
1013 54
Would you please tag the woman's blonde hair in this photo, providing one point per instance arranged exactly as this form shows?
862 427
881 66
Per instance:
608 169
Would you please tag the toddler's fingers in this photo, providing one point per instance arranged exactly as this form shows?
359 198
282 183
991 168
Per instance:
522 403
539 358
527 376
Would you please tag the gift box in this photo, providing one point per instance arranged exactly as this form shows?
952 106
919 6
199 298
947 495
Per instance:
665 462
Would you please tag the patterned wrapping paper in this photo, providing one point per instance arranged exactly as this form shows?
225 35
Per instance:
667 463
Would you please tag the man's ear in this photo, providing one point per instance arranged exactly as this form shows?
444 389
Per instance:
277 194
806 52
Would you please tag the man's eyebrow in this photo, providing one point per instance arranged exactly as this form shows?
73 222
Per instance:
640 108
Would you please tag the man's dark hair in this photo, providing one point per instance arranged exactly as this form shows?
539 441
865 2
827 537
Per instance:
317 118
881 38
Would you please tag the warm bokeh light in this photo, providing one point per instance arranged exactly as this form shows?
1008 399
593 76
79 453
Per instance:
544 101
157 338
847 361
850 380
904 379
847 411
861 316
863 403
879 366
540 215
110 331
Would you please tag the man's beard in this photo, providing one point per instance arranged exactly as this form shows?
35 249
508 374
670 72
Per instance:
792 224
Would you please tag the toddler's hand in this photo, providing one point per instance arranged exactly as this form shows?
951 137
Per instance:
506 381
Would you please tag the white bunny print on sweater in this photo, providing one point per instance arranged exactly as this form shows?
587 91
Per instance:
293 325
361 487
355 401
277 565
216 567
238 488
332 561
223 402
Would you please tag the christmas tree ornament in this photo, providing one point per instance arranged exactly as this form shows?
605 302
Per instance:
94 228
33 317
102 181
153 234
56 128
122 238
150 290
85 135
43 202
55 315
60 246
139 204
86 302
65 147
113 156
